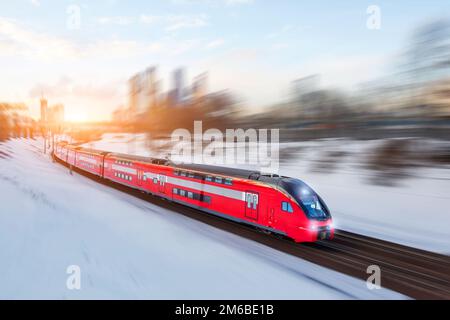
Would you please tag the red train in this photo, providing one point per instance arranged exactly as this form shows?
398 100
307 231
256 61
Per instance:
275 204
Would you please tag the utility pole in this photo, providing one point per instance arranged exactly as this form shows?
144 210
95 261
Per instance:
44 118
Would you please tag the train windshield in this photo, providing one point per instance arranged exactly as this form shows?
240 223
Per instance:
311 203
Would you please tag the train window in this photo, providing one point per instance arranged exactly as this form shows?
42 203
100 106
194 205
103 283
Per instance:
191 175
183 173
175 191
144 177
249 201
255 201
209 178
190 195
176 172
229 182
182 193
287 207
207 199
218 180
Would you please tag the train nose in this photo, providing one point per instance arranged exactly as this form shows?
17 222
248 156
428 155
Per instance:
325 232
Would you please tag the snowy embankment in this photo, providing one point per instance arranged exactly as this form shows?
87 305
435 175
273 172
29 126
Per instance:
128 248
414 211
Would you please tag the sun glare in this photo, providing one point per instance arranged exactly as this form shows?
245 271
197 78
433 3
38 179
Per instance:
76 117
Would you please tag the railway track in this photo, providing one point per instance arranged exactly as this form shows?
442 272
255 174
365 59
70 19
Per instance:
413 272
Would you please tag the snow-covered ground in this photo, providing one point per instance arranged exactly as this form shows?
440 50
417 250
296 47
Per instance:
415 211
128 248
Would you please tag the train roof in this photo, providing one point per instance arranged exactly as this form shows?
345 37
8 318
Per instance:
233 172
88 150
213 170
151 160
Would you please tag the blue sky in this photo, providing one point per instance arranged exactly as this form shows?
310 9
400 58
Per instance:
254 47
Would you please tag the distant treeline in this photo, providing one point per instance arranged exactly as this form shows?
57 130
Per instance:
14 122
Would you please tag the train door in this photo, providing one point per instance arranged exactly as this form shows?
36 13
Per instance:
140 176
162 179
251 205
271 217
270 211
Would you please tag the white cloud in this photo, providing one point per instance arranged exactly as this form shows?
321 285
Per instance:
149 19
35 3
19 40
66 86
280 46
238 2
171 22
285 30
213 2
119 20
215 43
177 22
26 42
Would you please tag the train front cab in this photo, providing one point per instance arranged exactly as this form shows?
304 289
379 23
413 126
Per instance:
305 216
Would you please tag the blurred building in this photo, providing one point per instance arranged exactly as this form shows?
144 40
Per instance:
44 107
437 98
121 115
177 93
303 95
200 86
134 93
143 91
152 86
305 85
51 115
55 114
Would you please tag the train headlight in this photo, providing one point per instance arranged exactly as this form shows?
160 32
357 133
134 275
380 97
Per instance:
313 227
